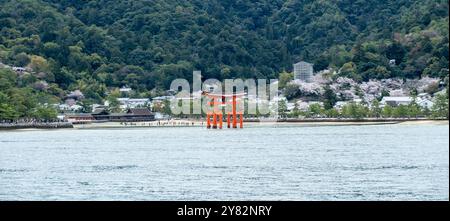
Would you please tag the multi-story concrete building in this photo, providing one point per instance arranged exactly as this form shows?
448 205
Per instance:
303 71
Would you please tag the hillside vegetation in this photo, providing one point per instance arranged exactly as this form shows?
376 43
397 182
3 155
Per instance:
100 44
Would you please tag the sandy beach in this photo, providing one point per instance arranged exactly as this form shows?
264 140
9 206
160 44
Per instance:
426 122
198 123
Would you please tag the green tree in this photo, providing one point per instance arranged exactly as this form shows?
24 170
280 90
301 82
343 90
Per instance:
355 111
7 79
282 109
315 110
387 112
21 59
114 105
44 113
440 107
166 108
349 70
296 111
414 109
284 78
39 64
329 98
332 113
291 91
401 111
7 112
375 110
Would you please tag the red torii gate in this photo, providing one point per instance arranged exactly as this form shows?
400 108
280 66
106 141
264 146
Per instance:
217 114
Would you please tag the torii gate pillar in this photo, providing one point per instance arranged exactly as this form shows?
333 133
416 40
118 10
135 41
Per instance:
217 114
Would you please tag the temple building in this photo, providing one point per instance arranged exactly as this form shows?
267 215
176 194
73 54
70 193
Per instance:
102 115
132 115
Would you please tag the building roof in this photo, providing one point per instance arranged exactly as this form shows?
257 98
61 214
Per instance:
125 89
139 100
133 100
163 98
303 62
100 111
130 112
18 69
123 99
341 103
73 115
139 111
398 99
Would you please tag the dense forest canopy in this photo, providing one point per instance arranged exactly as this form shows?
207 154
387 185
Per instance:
167 39
145 44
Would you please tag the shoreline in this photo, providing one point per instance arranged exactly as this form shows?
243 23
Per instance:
307 123
248 123
35 125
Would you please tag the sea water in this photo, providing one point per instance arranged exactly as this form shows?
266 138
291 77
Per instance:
384 162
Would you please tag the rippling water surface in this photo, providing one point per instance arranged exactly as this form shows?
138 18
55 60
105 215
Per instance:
390 162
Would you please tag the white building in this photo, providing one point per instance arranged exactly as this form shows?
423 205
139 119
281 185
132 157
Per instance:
396 101
163 98
97 107
71 108
423 100
357 100
425 103
125 89
340 104
303 71
304 106
290 107
126 103
76 95
398 93
19 69
392 62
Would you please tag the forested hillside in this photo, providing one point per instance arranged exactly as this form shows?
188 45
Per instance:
98 44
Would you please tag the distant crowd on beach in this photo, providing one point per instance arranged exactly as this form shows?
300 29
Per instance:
165 123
